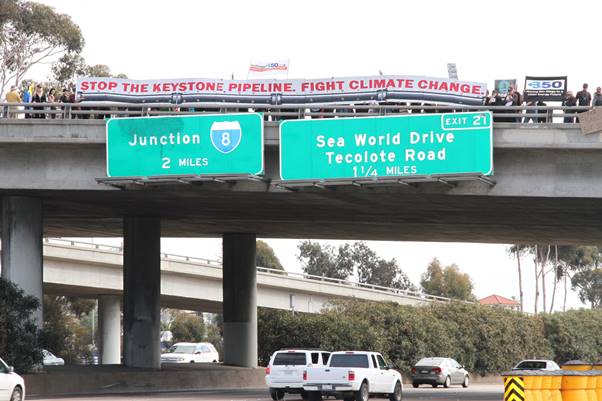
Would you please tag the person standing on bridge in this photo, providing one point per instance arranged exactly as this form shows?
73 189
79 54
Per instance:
584 98
39 97
13 97
597 102
569 100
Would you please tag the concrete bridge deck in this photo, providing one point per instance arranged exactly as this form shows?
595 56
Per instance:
547 188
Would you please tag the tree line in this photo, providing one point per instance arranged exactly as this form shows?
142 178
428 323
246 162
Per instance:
578 265
487 340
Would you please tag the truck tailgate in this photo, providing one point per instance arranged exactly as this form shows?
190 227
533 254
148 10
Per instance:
327 376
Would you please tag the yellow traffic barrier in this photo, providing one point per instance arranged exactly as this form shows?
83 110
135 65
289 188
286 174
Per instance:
546 387
514 387
576 365
574 385
555 385
592 381
559 385
598 382
532 387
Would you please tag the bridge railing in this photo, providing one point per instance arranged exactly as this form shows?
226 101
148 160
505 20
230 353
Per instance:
273 272
102 110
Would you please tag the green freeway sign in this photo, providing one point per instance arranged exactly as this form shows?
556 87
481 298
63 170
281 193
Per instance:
221 144
397 146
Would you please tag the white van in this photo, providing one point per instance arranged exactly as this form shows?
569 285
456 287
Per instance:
284 373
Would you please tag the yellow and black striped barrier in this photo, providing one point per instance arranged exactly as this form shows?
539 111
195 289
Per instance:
558 385
514 388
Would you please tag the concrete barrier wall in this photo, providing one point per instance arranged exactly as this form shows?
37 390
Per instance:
117 379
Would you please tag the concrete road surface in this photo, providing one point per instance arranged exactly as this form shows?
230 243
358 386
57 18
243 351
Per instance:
476 392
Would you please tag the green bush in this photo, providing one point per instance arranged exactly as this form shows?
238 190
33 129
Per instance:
19 335
486 340
187 327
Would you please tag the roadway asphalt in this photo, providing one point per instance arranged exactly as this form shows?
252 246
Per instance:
477 392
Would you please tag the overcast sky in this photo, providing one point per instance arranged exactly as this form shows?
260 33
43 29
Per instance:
214 39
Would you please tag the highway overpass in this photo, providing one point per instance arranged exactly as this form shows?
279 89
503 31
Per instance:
83 269
546 188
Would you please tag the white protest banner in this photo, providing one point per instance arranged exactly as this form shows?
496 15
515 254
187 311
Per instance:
288 91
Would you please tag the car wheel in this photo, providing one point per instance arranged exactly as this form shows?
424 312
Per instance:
434 385
314 396
17 394
277 395
396 394
191 361
465 382
415 385
447 382
304 395
363 393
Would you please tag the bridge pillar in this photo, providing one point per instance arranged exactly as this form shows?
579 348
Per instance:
22 246
109 319
240 300
141 291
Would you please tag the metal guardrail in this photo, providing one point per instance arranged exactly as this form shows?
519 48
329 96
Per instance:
102 110
272 272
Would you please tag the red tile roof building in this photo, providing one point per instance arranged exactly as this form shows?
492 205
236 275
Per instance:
500 301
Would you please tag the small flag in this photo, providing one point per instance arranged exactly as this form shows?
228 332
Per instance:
269 69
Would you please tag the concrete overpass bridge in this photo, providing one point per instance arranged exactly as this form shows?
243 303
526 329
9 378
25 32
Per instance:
547 188
84 269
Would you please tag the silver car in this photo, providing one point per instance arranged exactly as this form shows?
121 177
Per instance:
436 371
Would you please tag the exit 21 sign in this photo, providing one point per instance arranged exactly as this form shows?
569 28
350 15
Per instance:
396 146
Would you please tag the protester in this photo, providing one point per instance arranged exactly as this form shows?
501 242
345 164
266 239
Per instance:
530 114
39 97
597 102
13 96
584 98
26 90
569 101
541 118
50 98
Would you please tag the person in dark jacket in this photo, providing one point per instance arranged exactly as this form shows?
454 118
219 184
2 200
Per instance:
597 102
39 97
569 102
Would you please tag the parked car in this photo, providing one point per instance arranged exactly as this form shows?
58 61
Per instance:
439 371
536 364
191 353
12 386
50 359
353 375
284 373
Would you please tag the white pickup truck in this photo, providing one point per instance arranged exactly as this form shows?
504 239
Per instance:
353 375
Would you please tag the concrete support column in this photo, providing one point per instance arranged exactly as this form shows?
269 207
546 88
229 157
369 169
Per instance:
141 291
109 321
22 246
240 300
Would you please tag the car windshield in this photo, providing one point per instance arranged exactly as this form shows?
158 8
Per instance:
289 358
530 365
349 361
182 349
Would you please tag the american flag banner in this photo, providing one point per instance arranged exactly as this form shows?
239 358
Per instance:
261 69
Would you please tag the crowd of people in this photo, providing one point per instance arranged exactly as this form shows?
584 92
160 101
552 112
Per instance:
514 98
29 92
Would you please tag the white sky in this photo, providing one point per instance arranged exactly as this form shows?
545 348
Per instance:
487 40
